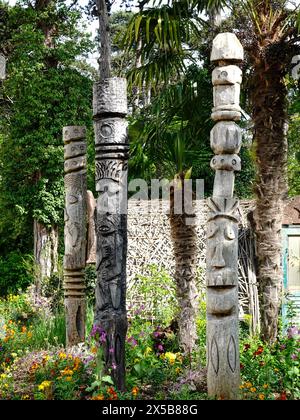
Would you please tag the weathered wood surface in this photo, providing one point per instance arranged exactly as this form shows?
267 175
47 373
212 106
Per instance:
2 67
111 143
223 376
75 232
91 227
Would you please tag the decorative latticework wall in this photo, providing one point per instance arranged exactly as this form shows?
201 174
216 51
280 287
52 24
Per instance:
149 242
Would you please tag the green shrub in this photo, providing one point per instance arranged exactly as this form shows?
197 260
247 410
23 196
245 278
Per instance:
13 274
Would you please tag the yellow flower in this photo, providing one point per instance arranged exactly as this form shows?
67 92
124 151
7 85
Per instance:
248 384
67 372
261 396
44 385
3 376
69 378
177 370
171 357
94 350
62 355
29 334
253 389
242 386
265 386
148 350
276 370
25 397
14 355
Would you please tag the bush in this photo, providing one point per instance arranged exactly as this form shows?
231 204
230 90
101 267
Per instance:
13 273
153 296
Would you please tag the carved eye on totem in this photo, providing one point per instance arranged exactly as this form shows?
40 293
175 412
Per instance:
229 233
104 229
72 199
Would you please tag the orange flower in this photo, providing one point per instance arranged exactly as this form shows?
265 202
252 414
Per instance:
77 363
261 396
112 393
98 397
24 329
253 389
259 351
135 391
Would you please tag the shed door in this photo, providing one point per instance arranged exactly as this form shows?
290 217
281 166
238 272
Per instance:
291 267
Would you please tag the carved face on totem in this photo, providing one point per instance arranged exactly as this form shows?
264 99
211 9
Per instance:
222 234
113 195
73 212
109 259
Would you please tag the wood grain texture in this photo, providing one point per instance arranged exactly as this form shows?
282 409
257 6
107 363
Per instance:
111 143
75 232
223 366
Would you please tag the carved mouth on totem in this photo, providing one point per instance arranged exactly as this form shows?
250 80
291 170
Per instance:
106 229
221 277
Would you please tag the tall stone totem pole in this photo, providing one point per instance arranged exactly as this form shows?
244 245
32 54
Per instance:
75 232
223 374
111 142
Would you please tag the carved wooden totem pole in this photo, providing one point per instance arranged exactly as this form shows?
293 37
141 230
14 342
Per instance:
111 142
75 232
223 374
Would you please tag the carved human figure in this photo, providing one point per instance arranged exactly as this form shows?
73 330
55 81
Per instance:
75 232
223 375
111 144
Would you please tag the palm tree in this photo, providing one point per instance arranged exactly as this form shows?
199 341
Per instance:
269 32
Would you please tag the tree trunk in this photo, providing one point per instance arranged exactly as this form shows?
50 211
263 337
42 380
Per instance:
105 44
45 252
270 129
184 246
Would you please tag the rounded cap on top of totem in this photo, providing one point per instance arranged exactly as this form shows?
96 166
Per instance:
2 67
226 46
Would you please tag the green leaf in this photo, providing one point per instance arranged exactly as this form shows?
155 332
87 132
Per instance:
137 23
107 379
188 174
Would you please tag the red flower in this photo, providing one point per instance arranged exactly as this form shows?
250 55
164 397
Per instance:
283 396
259 351
246 347
242 366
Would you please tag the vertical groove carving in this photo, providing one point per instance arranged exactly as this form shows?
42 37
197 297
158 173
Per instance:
223 376
75 232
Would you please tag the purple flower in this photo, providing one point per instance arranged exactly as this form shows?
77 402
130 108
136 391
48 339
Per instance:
114 366
294 357
1 348
282 347
156 334
111 350
160 347
88 359
98 333
131 340
292 331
